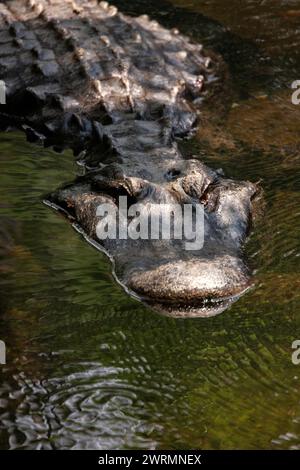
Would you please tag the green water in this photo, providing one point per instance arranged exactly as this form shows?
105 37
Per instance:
89 367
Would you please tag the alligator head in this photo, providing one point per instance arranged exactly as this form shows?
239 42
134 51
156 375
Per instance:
199 281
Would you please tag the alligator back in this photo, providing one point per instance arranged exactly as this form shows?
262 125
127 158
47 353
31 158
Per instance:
71 66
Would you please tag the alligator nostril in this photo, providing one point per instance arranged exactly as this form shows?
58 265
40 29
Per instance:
172 174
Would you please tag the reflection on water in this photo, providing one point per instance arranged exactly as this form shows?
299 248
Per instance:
89 367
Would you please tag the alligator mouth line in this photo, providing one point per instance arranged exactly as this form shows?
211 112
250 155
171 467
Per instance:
202 308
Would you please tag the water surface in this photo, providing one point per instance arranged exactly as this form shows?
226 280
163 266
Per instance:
89 367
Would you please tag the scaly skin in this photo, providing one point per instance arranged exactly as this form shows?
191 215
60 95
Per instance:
120 90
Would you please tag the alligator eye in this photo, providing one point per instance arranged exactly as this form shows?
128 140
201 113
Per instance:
172 174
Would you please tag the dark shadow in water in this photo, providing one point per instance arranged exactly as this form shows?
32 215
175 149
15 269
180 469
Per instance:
248 63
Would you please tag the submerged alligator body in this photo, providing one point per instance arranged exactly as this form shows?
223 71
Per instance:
119 91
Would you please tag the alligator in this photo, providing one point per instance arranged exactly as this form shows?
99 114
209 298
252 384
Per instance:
120 92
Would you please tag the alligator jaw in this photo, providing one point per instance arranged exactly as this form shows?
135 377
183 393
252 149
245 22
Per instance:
203 308
196 305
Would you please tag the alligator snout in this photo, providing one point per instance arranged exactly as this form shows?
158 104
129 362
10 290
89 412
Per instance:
193 287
